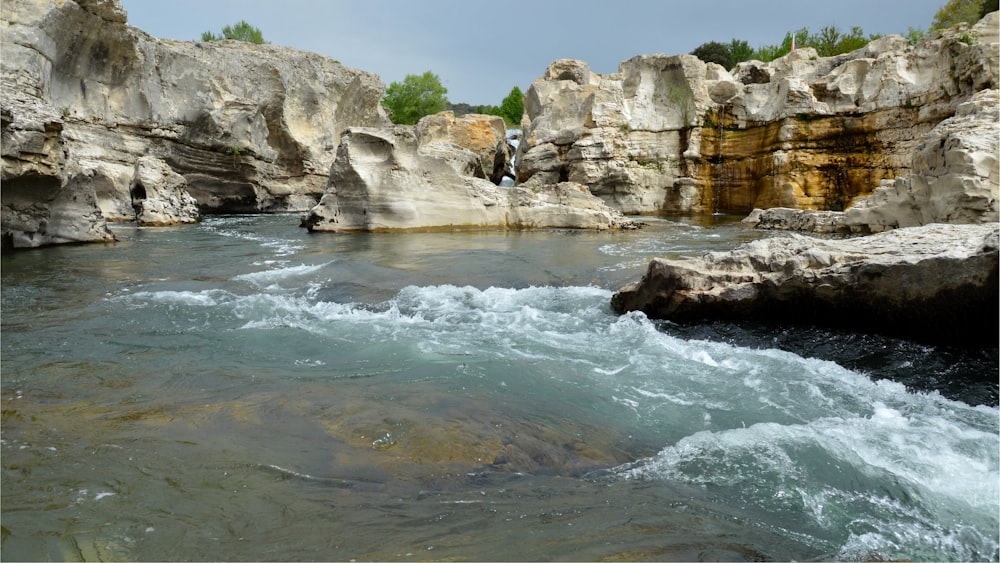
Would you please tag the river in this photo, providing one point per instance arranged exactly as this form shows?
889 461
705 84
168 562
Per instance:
240 389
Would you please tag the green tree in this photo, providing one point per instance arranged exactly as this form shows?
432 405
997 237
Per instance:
988 6
767 53
415 97
852 41
957 11
714 52
512 107
240 31
915 34
740 51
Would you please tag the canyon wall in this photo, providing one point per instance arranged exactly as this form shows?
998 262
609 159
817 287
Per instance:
84 96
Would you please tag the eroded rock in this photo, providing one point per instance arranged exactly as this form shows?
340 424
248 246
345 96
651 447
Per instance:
954 179
159 195
673 134
252 128
401 178
935 283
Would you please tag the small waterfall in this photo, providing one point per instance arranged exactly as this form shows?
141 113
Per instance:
514 141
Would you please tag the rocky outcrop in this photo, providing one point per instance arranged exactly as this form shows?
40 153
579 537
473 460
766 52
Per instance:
251 128
484 135
419 177
954 178
673 134
159 195
936 283
46 197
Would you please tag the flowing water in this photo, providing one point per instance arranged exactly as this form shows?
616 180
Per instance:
242 390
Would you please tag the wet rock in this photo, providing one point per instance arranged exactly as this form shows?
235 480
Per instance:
935 283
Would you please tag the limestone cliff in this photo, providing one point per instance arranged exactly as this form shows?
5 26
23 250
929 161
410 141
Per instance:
673 134
83 96
954 178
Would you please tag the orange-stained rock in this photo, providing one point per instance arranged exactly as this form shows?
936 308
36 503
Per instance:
484 135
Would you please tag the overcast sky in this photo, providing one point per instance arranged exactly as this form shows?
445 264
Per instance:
480 50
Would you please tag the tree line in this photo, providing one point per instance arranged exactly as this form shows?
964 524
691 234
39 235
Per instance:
831 41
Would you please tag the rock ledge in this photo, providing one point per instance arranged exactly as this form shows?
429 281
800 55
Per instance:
933 283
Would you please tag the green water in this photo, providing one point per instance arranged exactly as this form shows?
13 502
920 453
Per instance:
242 390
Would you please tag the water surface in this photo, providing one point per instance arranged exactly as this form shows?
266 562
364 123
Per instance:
242 390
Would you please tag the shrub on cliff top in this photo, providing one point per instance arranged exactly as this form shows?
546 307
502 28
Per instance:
240 31
714 52
957 11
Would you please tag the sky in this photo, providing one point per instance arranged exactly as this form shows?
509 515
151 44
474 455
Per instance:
480 50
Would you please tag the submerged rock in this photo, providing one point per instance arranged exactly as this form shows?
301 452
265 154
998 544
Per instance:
935 283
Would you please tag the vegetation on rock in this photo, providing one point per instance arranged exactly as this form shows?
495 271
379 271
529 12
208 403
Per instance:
958 11
715 52
240 31
830 41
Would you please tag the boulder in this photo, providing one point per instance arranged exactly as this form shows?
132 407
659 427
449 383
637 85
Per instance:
252 128
159 195
934 283
673 134
398 178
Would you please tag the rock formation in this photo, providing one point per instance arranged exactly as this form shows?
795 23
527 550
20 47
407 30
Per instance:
673 134
953 178
83 96
935 283
486 136
905 139
159 195
421 177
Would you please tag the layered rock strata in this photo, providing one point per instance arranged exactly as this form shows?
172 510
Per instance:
673 134
953 178
83 96
934 283
419 177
